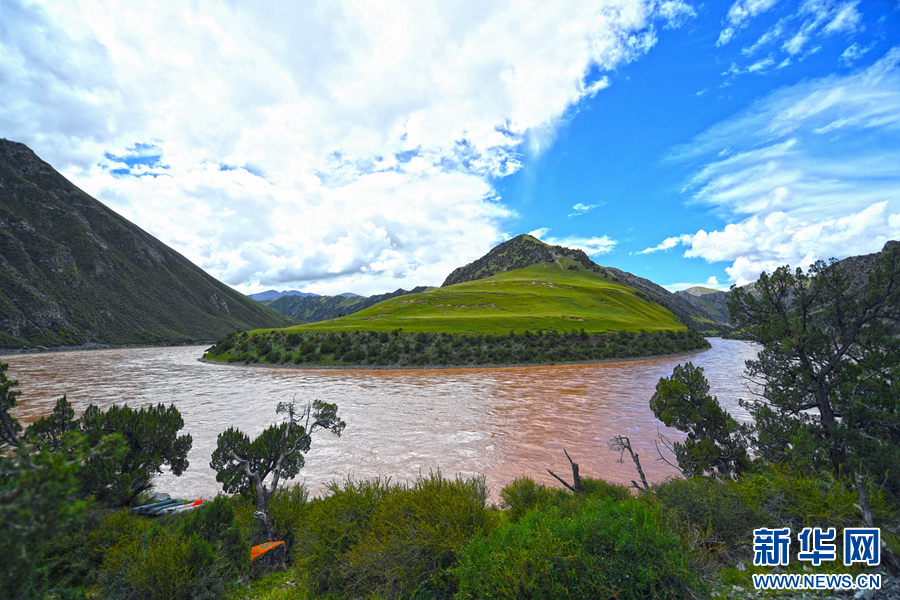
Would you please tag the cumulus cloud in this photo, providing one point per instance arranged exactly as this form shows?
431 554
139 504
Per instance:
810 174
334 145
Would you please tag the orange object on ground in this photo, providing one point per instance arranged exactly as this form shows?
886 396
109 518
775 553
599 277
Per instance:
257 551
198 502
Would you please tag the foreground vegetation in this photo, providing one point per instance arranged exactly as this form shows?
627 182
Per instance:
400 349
438 538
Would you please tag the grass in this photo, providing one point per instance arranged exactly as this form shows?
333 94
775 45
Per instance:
537 298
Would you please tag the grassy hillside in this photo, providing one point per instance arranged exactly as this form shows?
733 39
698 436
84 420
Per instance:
537 298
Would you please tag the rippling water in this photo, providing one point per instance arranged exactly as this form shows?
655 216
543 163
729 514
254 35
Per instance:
498 422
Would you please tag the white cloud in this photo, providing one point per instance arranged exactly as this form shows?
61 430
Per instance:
738 15
676 12
327 146
667 244
592 246
853 53
811 173
794 33
712 282
581 208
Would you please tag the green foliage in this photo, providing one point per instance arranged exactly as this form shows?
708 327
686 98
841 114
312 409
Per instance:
523 495
50 430
199 555
214 523
391 541
37 496
423 349
36 507
152 440
716 444
244 466
9 426
605 549
724 511
829 364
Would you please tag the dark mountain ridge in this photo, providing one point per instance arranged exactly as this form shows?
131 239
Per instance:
74 272
520 252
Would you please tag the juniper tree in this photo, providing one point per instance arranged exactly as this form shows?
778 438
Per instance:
716 444
245 466
829 366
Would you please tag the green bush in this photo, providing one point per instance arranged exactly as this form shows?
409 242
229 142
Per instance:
195 556
724 511
811 500
391 541
605 549
523 495
215 524
160 565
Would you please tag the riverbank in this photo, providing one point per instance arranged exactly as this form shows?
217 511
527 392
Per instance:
437 367
400 350
84 347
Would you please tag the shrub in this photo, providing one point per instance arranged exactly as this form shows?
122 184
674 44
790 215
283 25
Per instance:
522 495
392 541
194 556
605 549
722 510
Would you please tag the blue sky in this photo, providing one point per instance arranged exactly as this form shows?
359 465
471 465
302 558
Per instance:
369 146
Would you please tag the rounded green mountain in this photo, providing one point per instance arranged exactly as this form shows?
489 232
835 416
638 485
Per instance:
559 296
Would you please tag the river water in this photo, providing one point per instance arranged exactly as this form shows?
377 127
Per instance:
500 422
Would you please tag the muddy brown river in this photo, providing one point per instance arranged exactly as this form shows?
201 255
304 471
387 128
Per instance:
502 422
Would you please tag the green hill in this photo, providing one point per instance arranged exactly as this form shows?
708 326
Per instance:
74 272
560 310
540 297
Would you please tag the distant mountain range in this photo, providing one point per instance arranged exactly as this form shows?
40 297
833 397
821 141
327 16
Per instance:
73 272
310 309
270 295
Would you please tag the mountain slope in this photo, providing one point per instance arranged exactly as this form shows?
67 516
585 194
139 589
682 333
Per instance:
74 272
320 308
712 302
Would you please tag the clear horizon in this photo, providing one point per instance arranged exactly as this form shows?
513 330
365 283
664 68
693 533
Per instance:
365 148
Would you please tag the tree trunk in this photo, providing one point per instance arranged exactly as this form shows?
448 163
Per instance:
262 511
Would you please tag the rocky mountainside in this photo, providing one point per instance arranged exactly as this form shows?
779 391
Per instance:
713 303
74 272
520 252
311 309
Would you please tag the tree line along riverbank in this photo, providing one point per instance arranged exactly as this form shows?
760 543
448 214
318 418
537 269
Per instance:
401 349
